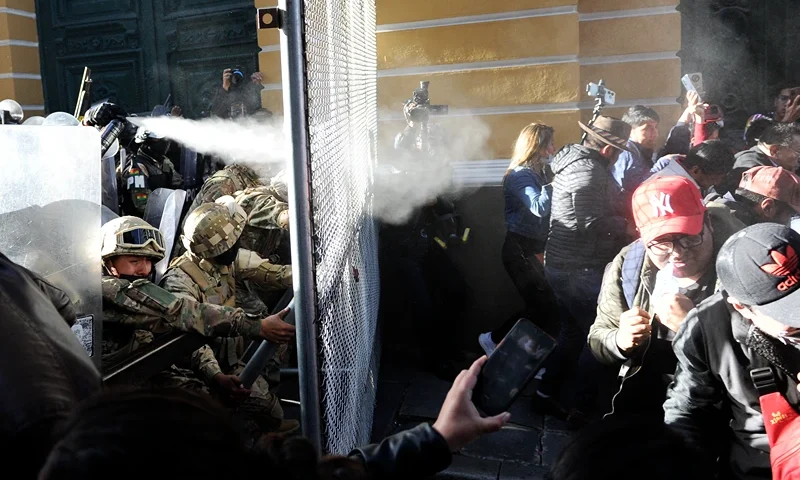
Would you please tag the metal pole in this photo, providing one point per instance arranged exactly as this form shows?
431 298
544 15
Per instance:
296 117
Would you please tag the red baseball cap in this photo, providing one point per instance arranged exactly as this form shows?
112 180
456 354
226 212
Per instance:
773 182
667 205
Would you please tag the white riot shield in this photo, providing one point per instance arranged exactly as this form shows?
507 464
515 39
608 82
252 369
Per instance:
164 209
106 215
50 213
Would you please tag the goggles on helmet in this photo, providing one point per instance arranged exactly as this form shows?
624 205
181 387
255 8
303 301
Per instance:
141 237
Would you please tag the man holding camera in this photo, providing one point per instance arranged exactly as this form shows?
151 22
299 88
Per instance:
237 97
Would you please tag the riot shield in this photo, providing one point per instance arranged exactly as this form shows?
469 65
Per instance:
156 202
109 183
191 171
50 211
163 211
106 215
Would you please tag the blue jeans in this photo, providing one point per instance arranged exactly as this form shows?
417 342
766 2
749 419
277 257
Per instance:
576 294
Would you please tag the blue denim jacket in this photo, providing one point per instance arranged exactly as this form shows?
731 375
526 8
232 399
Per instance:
527 203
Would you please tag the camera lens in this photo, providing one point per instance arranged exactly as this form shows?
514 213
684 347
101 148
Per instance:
236 76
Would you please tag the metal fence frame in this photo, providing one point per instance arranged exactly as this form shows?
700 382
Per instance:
295 104
290 16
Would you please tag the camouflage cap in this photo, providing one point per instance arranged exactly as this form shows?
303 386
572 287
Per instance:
131 236
261 206
213 228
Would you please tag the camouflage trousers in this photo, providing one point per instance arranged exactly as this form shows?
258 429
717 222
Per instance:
256 415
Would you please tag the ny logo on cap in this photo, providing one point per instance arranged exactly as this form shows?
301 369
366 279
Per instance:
661 204
784 266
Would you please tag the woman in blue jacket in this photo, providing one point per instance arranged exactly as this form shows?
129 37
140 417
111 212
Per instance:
527 194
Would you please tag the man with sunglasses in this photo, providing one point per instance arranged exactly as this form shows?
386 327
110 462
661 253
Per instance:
739 344
134 309
652 284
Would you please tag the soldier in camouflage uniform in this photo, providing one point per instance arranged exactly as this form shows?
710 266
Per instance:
229 180
207 273
267 221
135 309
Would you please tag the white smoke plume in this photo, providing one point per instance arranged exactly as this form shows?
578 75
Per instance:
260 144
405 182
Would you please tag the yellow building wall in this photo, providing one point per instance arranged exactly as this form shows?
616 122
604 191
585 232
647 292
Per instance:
20 76
512 62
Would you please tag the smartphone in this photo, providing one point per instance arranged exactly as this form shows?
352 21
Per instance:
693 82
609 96
511 366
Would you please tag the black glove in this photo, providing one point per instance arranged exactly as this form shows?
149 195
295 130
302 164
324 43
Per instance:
102 114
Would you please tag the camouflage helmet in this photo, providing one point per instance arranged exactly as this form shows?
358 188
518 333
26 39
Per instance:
213 228
131 236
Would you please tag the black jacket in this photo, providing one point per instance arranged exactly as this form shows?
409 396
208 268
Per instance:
244 98
744 161
738 207
585 232
416 453
44 370
713 400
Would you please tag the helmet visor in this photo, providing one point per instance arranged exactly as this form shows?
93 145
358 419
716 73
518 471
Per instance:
140 237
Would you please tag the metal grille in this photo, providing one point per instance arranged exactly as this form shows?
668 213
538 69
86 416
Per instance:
342 123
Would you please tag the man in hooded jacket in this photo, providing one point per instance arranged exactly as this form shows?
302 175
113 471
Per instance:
585 235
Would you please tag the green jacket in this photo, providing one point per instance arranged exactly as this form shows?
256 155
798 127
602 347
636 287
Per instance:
611 303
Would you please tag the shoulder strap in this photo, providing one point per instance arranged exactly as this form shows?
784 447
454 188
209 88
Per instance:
632 271
194 272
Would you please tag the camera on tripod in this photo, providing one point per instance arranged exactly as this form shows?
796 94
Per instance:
419 107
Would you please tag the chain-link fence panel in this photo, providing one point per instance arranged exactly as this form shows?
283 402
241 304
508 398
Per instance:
341 69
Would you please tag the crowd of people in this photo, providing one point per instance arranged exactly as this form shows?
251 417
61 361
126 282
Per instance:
668 276
672 276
